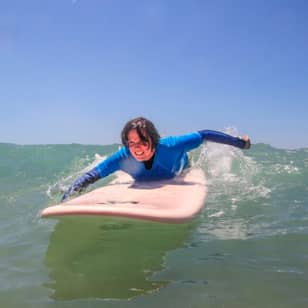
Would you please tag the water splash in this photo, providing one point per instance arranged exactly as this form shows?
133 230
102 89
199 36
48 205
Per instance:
235 185
81 166
229 170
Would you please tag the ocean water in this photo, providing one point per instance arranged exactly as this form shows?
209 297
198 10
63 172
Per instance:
247 248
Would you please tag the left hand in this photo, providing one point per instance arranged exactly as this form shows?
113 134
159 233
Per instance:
247 142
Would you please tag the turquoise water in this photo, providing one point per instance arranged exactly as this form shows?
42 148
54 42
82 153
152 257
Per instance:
247 248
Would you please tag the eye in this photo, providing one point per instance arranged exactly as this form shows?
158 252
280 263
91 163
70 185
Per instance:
132 144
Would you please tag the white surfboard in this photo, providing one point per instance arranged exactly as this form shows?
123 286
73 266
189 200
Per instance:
172 201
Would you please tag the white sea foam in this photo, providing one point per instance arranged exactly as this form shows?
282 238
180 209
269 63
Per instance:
288 168
230 171
217 214
63 183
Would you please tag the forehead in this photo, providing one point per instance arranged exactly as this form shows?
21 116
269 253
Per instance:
133 135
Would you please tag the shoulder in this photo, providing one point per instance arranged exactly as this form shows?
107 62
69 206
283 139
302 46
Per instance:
117 156
112 163
121 153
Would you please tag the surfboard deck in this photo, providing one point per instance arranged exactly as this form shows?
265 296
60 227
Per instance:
171 201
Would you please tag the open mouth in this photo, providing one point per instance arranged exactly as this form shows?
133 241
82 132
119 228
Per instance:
139 154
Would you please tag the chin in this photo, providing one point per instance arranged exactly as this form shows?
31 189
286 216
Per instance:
140 158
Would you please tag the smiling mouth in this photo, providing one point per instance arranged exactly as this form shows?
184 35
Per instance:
139 154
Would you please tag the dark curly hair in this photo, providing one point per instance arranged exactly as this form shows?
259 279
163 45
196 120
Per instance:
145 130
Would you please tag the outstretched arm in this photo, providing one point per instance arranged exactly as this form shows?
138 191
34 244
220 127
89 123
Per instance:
103 169
219 137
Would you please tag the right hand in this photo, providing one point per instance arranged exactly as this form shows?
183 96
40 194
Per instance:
73 188
81 183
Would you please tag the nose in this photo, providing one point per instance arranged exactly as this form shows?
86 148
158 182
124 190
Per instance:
137 145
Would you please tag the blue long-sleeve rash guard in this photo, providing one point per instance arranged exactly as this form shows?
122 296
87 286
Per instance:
169 160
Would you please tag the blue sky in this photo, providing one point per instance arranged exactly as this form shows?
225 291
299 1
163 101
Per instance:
76 71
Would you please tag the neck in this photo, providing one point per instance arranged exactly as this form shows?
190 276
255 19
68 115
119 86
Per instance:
149 163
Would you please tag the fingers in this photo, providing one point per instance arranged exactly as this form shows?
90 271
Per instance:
247 141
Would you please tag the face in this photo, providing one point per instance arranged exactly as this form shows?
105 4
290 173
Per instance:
140 150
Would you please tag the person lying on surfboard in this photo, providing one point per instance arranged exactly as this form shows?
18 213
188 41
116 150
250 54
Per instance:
146 156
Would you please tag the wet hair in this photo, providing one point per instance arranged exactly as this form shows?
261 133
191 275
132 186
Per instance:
145 130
